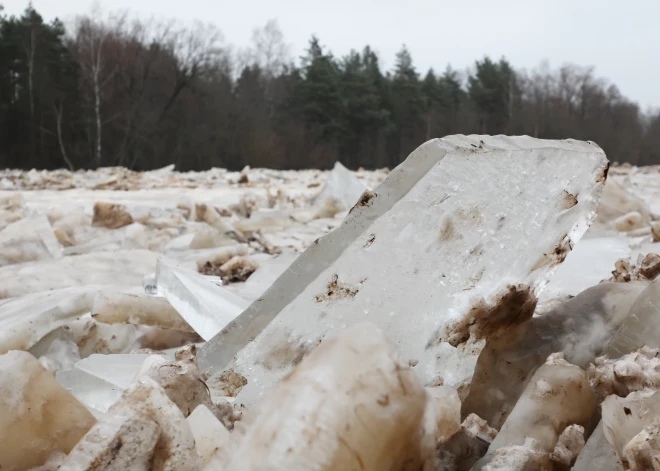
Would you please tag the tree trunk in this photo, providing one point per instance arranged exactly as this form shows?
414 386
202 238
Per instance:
58 117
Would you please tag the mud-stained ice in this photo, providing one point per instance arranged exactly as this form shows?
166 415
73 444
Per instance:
452 247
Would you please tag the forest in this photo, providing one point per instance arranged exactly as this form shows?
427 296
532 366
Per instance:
113 90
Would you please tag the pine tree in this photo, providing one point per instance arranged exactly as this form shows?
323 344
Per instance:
408 106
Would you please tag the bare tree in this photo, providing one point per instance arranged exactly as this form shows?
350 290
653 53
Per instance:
270 51
91 34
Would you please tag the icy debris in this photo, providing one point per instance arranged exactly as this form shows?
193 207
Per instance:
598 454
464 242
466 446
558 395
444 410
325 412
633 372
99 380
655 231
209 433
114 308
569 445
579 328
624 418
342 188
115 443
234 270
175 448
643 451
28 240
650 266
37 416
526 457
641 326
112 216
205 306
628 222
180 379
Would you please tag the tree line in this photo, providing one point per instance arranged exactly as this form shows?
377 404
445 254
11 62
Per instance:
114 90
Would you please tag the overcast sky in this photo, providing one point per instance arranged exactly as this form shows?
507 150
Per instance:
620 38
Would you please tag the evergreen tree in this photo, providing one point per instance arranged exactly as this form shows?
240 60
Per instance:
408 106
319 96
494 90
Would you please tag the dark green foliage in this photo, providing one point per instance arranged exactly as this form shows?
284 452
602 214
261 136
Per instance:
119 92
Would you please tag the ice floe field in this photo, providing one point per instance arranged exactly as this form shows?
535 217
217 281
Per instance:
201 320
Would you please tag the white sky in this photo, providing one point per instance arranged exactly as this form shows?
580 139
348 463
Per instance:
620 38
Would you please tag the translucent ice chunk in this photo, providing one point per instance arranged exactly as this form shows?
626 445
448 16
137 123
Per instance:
443 254
99 381
207 307
209 433
37 416
149 284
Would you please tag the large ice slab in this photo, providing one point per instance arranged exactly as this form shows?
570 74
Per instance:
455 244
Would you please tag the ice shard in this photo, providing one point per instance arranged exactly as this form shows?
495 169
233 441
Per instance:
100 380
451 248
205 306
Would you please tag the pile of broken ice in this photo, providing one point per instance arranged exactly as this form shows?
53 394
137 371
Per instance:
436 327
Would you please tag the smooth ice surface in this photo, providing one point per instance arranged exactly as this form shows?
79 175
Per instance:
207 307
466 228
343 186
99 380
590 262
